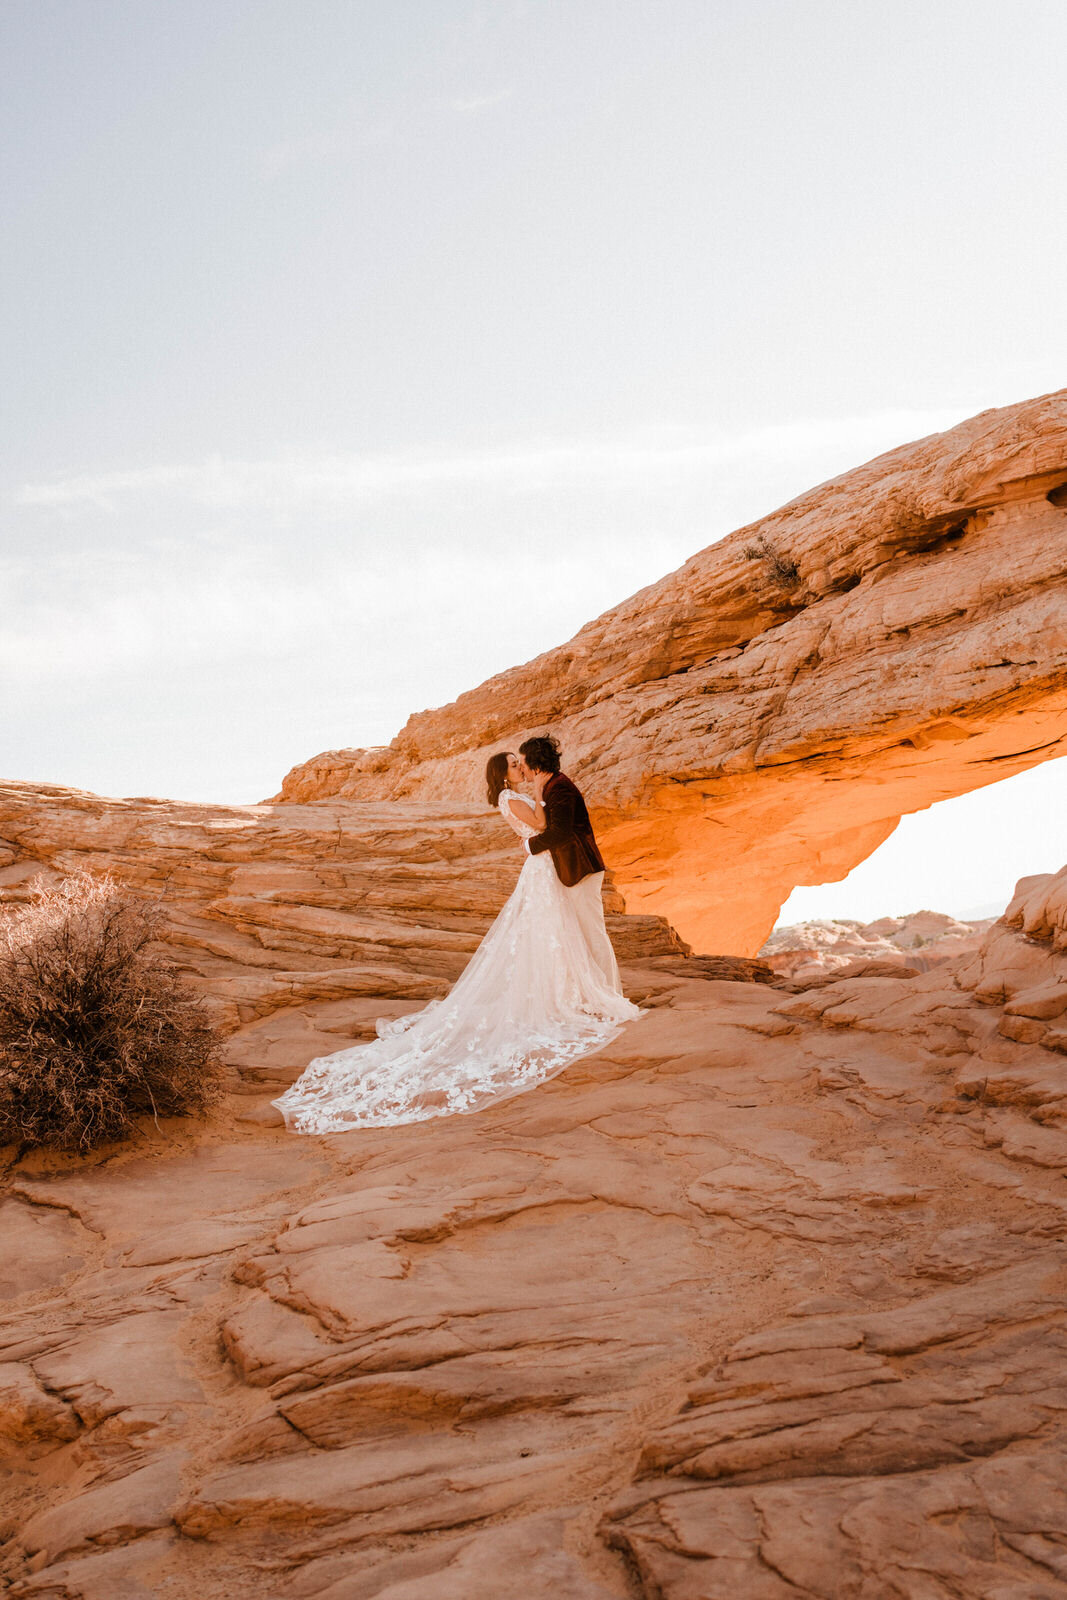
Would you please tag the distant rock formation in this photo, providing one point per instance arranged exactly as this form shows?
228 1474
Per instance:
918 942
764 716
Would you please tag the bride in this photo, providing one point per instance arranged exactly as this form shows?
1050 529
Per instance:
536 995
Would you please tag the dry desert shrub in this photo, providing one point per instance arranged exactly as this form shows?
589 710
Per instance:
96 1026
780 568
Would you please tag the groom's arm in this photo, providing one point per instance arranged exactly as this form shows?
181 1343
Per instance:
559 821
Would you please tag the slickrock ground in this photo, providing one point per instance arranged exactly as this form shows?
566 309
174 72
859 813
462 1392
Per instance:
764 716
918 941
767 1300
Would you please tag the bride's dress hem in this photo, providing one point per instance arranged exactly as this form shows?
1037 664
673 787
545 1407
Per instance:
428 1114
535 997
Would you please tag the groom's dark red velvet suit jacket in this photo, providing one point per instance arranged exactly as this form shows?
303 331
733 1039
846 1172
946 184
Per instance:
568 833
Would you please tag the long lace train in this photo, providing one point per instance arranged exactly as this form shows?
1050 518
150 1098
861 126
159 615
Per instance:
533 998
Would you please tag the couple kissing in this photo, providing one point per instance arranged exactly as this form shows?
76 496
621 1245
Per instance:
541 990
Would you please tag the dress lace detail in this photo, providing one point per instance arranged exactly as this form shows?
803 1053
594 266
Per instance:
532 999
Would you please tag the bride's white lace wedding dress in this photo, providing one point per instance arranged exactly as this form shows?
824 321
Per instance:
533 998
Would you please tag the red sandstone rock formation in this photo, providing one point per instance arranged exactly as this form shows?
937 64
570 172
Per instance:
764 716
768 1299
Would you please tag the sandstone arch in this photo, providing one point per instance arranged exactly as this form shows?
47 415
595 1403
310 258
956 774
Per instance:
763 716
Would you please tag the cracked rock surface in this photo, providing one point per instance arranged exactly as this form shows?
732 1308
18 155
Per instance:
767 1299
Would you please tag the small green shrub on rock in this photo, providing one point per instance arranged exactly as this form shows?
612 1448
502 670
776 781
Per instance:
96 1025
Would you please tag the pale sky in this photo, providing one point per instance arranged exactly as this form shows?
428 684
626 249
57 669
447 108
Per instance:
355 351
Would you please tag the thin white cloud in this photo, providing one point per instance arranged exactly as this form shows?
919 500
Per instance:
329 145
219 482
338 145
471 105
126 617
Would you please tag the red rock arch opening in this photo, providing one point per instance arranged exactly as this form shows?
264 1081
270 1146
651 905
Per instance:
738 735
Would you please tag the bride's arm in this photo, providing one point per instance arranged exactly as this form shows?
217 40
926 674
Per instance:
532 812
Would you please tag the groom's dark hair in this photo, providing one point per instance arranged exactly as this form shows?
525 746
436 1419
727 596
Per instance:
541 755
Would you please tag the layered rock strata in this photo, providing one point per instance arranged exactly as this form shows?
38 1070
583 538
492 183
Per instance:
762 717
767 1299
301 924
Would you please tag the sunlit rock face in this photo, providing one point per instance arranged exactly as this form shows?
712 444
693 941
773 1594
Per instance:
301 924
764 716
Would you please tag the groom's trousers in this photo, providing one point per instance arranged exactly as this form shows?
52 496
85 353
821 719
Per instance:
587 896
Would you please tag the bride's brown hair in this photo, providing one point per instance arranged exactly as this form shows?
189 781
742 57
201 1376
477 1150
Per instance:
496 775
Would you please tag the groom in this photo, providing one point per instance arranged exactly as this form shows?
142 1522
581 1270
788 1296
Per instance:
568 833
